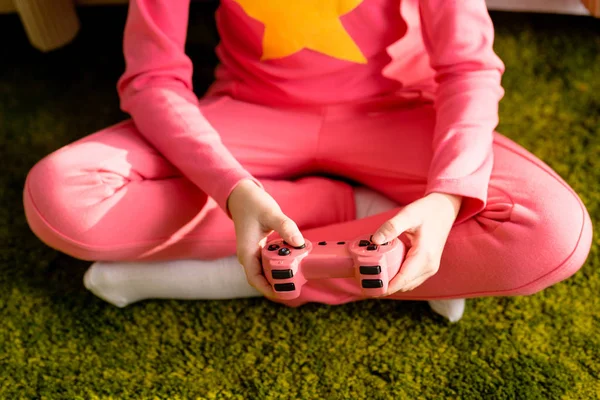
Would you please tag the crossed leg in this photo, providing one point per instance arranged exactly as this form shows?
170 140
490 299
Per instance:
111 197
533 232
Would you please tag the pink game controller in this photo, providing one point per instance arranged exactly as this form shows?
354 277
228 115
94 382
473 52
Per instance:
287 268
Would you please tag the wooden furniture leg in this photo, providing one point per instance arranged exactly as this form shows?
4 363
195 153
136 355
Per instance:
49 24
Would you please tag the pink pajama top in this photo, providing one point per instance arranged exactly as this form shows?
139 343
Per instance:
319 52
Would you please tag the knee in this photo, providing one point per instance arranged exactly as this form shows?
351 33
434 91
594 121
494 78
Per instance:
53 206
556 245
42 192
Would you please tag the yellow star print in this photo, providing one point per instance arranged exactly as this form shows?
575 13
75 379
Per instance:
293 25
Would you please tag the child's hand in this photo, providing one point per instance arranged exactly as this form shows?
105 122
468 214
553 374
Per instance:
427 223
256 215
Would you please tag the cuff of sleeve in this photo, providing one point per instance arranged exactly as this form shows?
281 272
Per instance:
128 94
228 183
474 196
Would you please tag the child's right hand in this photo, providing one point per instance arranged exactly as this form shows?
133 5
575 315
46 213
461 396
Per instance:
256 215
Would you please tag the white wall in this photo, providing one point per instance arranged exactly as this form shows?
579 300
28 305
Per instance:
546 6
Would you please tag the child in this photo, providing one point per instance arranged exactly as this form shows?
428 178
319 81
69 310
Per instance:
398 97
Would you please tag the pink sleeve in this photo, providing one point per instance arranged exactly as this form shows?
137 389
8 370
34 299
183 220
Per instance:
459 38
156 90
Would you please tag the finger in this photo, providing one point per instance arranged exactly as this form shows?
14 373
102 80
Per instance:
254 272
415 266
394 227
286 228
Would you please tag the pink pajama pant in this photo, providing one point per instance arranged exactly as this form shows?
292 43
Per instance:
111 196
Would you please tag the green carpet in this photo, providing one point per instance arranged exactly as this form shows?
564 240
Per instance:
57 341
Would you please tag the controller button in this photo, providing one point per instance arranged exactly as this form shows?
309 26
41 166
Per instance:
284 251
372 283
370 269
322 243
282 273
300 247
273 247
364 243
341 243
284 287
370 247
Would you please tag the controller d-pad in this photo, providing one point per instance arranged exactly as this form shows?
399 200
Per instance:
273 247
284 287
370 269
371 239
372 283
370 247
284 251
364 243
282 273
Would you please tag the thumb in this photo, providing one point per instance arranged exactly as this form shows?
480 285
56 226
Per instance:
394 227
285 227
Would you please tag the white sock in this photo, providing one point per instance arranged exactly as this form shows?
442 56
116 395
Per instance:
451 309
123 283
369 202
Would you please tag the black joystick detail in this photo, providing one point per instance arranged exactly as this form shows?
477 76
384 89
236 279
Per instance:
383 244
296 247
370 269
282 273
369 244
284 287
284 251
372 283
273 247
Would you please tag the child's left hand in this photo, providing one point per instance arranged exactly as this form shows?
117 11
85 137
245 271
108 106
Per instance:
427 223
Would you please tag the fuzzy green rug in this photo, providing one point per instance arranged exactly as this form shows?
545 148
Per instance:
57 341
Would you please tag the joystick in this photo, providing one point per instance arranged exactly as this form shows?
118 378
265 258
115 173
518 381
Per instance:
287 268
